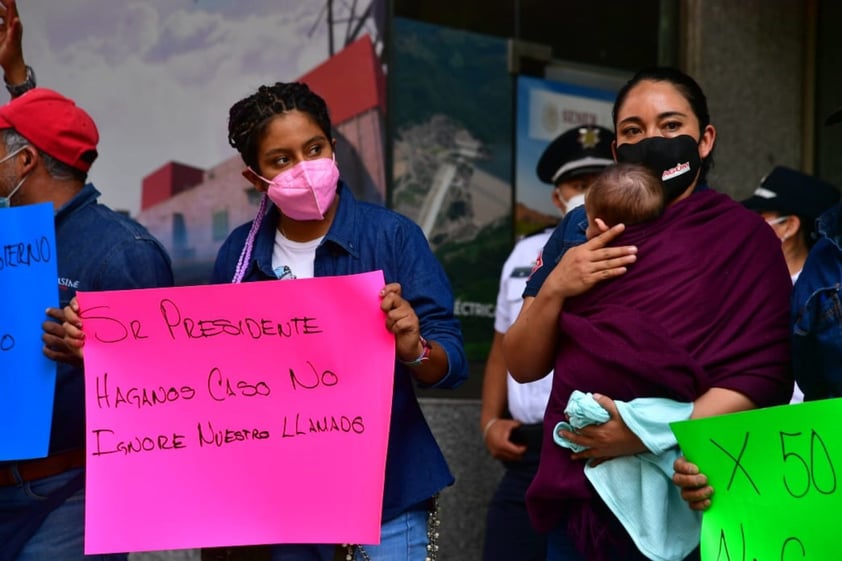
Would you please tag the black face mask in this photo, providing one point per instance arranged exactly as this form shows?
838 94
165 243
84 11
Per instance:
676 160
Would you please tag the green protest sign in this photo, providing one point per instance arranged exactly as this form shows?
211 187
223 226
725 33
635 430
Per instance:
775 477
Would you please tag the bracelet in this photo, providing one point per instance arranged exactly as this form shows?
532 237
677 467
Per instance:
488 426
18 89
425 353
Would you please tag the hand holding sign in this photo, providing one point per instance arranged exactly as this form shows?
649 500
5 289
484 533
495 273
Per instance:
776 477
74 337
236 414
55 347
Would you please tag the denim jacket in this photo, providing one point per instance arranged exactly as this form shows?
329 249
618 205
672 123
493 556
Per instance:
97 249
817 313
362 238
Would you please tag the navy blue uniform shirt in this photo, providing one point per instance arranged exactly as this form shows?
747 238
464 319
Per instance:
817 313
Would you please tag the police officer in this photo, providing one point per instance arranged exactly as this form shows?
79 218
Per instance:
512 413
791 201
816 311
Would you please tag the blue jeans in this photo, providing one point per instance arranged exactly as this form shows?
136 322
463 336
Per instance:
61 535
403 538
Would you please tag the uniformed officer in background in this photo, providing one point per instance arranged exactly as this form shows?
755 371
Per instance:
512 413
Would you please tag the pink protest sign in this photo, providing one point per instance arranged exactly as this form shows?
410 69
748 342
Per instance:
236 414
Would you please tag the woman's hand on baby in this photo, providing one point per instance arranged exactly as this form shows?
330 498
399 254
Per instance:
583 266
608 440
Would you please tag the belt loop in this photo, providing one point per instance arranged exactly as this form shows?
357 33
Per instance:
10 475
14 470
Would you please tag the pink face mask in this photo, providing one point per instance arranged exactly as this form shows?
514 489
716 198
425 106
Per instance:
306 190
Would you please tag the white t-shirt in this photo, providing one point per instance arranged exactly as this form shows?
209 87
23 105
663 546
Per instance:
294 260
527 402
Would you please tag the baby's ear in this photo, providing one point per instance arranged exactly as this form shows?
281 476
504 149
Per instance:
600 223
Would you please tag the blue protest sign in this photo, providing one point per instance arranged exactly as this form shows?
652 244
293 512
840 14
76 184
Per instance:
29 285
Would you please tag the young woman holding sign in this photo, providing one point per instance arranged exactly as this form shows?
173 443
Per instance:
309 224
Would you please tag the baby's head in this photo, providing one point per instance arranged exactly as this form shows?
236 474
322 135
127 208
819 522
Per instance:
623 193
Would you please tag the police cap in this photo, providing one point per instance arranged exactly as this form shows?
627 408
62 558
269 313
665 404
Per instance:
789 191
580 150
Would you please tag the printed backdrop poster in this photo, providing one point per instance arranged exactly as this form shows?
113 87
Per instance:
28 282
236 414
545 109
164 156
451 128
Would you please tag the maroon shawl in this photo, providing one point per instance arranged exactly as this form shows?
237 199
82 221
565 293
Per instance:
705 305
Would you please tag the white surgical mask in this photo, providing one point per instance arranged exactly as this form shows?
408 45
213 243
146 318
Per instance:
6 202
778 220
573 202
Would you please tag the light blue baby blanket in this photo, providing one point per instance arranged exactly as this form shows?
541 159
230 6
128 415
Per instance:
638 489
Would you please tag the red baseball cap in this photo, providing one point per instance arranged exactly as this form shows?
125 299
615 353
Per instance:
54 125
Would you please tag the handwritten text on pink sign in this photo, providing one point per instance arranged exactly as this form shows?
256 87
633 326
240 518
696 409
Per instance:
236 414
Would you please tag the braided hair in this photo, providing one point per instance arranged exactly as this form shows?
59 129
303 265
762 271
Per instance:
249 117
248 120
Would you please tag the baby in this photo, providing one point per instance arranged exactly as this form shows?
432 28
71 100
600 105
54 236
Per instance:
623 193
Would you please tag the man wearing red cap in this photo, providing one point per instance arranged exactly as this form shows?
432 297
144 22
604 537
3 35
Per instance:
47 146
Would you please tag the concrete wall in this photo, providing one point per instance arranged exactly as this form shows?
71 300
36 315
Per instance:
455 424
750 59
